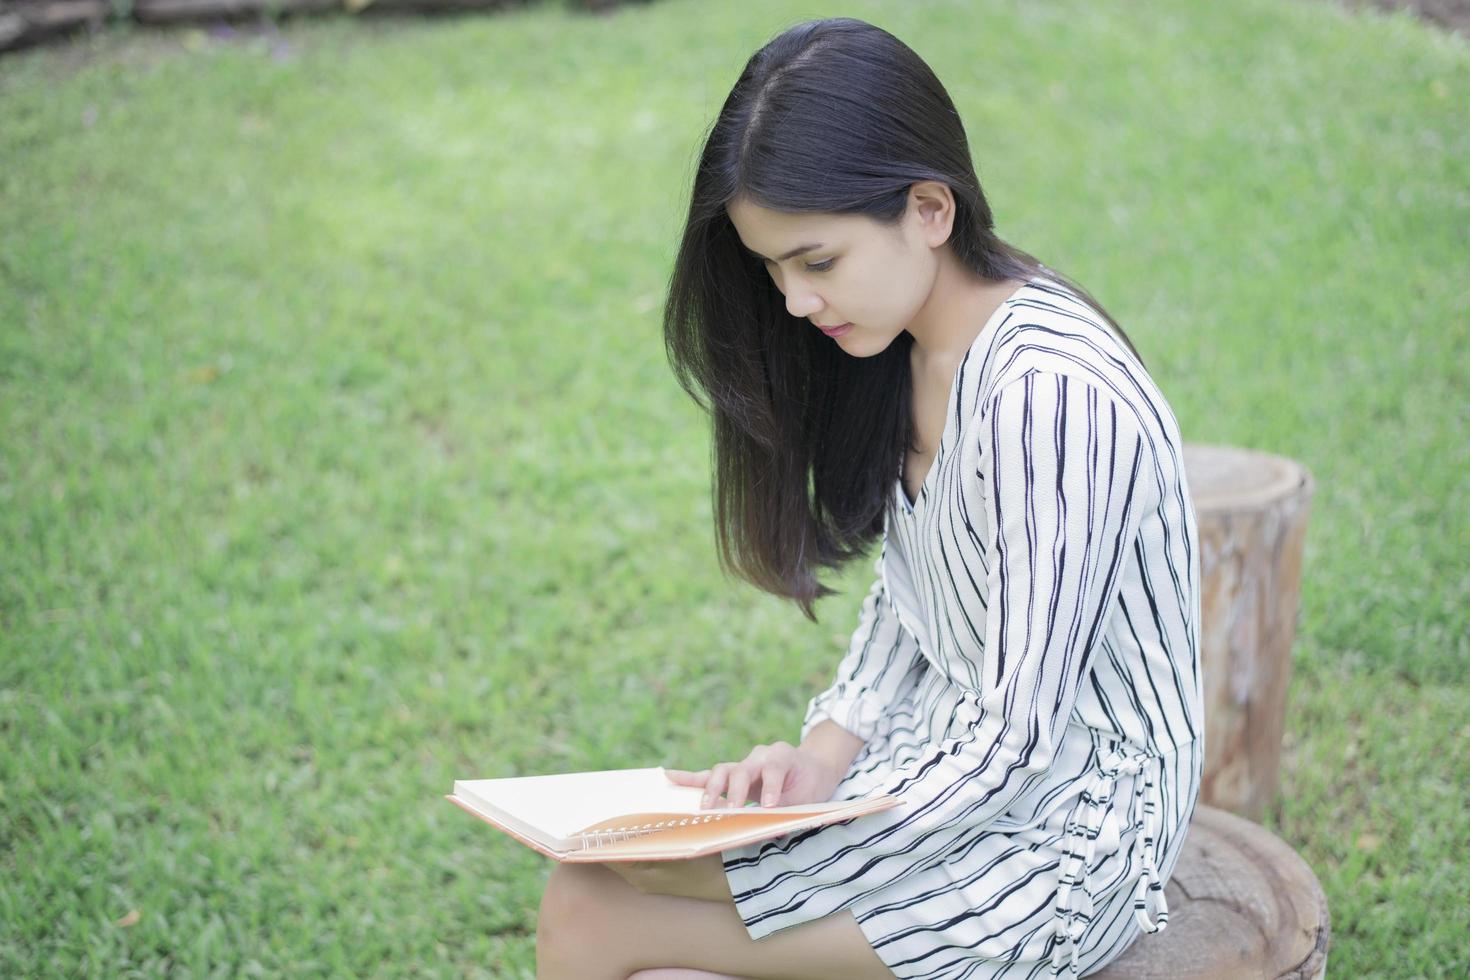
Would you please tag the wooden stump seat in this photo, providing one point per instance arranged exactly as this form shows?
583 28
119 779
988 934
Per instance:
1252 509
1242 904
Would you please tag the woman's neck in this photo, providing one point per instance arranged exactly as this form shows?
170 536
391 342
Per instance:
957 309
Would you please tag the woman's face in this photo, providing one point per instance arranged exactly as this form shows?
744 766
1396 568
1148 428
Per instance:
861 272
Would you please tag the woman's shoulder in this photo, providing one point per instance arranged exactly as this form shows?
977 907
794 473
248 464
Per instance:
1051 330
1052 334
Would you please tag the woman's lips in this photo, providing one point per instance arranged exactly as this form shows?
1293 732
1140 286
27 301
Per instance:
836 331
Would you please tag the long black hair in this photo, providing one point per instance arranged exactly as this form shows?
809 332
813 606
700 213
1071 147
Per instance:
833 116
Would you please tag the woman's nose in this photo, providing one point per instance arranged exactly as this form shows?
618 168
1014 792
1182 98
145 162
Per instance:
802 302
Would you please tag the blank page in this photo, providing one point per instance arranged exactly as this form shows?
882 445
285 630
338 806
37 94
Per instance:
563 803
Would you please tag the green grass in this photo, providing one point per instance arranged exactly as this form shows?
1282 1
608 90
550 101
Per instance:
340 457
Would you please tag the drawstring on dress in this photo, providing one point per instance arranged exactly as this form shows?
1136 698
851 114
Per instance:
1074 907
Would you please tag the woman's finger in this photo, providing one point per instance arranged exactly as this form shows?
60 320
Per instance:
739 785
773 778
687 777
716 784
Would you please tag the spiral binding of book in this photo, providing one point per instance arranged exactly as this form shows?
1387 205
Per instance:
611 835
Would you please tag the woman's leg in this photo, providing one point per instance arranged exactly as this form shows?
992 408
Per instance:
595 926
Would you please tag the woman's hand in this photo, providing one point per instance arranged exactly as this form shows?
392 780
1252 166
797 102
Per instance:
779 774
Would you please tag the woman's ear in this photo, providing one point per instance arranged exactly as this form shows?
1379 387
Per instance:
932 202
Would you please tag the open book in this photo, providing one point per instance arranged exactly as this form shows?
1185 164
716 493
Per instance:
635 815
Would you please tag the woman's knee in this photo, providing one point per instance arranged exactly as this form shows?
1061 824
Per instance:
571 899
574 908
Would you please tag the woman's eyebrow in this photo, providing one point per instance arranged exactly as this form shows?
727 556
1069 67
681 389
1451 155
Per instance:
798 250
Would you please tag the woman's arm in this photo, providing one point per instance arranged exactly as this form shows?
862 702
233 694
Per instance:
882 663
1066 478
833 744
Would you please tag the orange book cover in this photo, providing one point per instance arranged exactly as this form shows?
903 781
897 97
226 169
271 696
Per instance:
635 815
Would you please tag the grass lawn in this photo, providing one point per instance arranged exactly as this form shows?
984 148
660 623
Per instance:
340 457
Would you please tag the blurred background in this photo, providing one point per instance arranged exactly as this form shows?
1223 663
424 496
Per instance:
340 458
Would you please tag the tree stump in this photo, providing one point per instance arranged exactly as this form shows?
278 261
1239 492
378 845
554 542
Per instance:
24 22
1241 904
1252 510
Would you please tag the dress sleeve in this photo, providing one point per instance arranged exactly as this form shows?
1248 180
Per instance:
874 673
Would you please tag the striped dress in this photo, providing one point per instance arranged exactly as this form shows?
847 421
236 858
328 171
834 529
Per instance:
1024 675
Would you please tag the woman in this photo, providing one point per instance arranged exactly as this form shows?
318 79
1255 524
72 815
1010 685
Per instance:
1024 674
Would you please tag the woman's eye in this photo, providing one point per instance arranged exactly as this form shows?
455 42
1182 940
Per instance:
817 267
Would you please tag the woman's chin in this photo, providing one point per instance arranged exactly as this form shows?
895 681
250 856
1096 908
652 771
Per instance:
861 344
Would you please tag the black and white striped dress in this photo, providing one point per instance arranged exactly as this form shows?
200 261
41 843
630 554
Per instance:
1025 674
